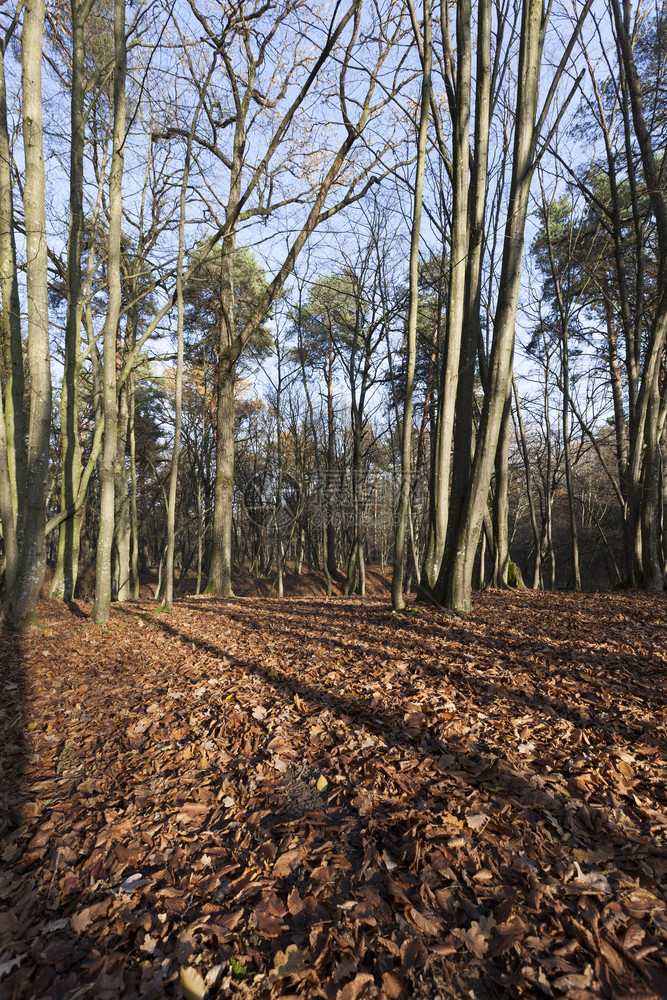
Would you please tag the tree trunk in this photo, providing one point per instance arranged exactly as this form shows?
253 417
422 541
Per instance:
108 464
13 375
652 574
12 431
501 552
645 432
32 518
220 569
64 579
122 528
565 423
330 527
456 304
397 597
134 517
537 563
620 425
455 581
471 331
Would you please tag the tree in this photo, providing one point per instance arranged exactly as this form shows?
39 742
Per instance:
649 417
413 307
12 430
31 520
250 42
455 577
100 611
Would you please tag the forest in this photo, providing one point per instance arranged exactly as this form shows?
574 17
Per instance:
283 292
333 493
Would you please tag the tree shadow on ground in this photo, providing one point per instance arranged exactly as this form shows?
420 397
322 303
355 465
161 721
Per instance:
598 713
13 741
41 954
460 768
574 818
391 728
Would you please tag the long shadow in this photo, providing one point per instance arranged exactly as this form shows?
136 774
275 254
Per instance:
456 762
13 742
557 659
471 763
13 759
471 758
41 955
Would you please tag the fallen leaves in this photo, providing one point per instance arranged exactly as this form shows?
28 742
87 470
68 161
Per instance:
486 796
476 937
82 920
356 988
268 916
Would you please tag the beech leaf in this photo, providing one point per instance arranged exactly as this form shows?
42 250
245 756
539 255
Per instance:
288 962
192 983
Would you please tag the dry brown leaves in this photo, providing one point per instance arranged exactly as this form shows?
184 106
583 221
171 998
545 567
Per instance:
316 798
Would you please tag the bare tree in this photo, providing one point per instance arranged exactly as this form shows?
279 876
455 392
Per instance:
455 578
398 601
100 611
32 503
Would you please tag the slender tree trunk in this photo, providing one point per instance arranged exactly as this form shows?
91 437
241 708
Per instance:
64 578
279 497
200 537
14 381
620 427
501 552
428 572
397 597
122 528
7 512
330 527
134 517
178 388
456 303
220 569
415 549
178 403
12 434
569 482
322 488
652 573
32 520
564 318
358 498
102 602
548 483
537 564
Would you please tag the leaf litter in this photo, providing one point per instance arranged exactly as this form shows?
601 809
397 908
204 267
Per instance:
311 798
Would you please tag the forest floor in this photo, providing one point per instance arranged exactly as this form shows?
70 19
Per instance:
319 798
